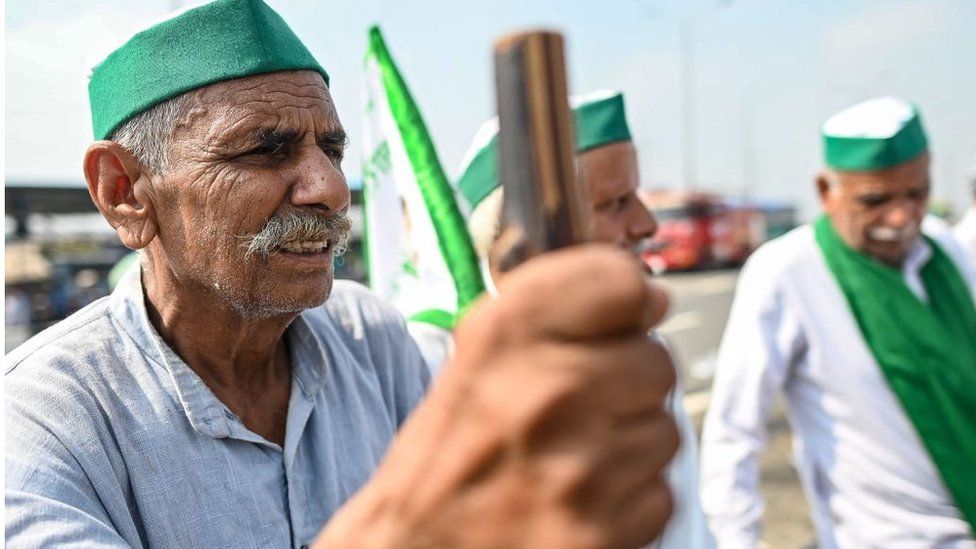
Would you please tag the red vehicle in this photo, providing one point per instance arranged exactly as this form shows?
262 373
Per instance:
700 229
736 230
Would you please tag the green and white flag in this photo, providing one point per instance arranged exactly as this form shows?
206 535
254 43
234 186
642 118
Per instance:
418 252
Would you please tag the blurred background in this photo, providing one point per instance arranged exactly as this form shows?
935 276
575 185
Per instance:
725 99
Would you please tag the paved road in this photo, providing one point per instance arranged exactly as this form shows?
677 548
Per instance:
700 309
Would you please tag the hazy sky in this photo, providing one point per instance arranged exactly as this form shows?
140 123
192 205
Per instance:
769 72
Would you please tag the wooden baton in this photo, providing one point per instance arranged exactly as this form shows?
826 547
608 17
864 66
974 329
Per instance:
543 206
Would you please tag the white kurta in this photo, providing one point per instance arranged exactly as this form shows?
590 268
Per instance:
867 477
965 233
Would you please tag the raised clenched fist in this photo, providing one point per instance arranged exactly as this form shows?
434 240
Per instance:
547 430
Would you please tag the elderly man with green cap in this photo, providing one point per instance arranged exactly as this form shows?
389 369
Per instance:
867 325
606 166
606 163
229 393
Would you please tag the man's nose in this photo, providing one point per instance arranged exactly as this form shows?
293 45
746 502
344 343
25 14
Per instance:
900 215
642 223
319 182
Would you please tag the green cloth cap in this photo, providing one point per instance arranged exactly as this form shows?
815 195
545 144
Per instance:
218 41
873 135
599 119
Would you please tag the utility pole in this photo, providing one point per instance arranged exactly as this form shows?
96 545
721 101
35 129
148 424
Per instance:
689 85
687 30
750 161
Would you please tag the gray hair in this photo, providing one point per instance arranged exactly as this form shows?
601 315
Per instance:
485 220
831 176
147 135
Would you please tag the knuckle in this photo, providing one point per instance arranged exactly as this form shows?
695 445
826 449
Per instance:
666 503
621 274
658 507
660 361
554 417
571 480
488 323
671 437
652 371
514 313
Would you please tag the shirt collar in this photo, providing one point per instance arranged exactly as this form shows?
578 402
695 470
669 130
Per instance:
206 413
202 408
309 358
918 255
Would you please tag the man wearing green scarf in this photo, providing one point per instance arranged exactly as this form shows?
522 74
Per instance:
868 326
231 393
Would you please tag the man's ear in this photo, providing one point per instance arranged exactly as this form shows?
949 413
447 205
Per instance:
116 182
825 189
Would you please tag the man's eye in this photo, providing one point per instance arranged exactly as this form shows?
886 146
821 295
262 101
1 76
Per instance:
268 148
918 194
334 149
872 201
335 153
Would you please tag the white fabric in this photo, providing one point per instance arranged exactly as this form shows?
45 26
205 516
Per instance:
965 233
877 118
866 475
436 344
687 528
403 252
911 270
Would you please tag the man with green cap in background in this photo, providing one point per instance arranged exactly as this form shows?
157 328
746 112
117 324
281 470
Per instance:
868 326
606 166
230 393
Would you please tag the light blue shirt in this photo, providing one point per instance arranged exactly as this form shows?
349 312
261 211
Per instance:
113 441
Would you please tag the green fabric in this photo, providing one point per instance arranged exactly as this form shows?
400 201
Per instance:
864 154
452 232
480 177
222 40
436 317
598 122
927 352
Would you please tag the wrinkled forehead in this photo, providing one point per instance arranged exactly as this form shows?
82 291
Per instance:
296 100
613 165
617 153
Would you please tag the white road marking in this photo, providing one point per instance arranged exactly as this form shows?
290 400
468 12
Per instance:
688 320
701 286
704 367
697 403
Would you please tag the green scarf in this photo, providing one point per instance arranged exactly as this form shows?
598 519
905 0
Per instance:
926 351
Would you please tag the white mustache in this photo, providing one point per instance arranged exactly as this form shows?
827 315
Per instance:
887 234
297 226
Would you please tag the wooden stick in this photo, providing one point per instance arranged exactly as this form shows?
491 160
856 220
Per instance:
543 208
